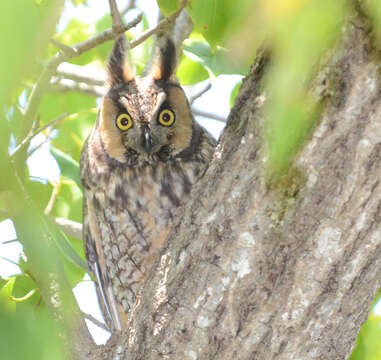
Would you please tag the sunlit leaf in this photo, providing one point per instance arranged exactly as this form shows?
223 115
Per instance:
191 72
234 93
374 10
25 285
217 18
18 20
217 62
291 114
368 342
6 293
39 191
69 167
78 2
27 335
168 6
63 244
76 32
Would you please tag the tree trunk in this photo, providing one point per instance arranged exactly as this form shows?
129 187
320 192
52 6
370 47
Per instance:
253 271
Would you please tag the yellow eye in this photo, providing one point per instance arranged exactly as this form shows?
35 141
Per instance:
123 122
166 117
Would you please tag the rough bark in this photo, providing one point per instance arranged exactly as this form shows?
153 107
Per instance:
253 271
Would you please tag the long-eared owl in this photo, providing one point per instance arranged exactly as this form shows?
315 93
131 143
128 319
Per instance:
137 166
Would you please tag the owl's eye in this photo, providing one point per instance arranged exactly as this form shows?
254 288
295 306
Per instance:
166 117
123 122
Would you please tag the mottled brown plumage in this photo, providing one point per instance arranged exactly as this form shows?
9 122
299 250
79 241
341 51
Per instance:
137 166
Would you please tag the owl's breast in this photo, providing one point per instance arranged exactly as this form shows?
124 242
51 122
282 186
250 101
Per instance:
136 208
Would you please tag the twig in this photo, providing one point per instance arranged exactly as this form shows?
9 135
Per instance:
115 16
69 227
52 200
80 73
95 321
65 85
68 50
208 115
200 93
162 24
128 7
37 146
36 131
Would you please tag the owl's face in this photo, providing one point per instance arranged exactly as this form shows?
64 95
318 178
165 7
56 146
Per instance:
147 117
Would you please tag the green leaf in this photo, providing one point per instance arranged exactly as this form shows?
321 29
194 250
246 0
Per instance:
31 25
6 293
29 335
26 291
215 19
69 167
68 202
75 32
39 191
217 62
168 7
374 11
234 93
368 341
191 72
78 2
63 244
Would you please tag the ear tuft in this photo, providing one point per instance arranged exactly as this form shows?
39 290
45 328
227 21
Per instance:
164 59
119 69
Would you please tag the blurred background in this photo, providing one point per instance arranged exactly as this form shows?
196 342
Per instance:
48 107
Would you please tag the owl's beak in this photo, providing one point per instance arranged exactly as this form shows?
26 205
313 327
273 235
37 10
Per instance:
147 141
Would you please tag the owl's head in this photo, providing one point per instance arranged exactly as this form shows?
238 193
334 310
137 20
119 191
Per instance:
149 116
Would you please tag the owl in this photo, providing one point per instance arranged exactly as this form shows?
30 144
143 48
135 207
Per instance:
137 167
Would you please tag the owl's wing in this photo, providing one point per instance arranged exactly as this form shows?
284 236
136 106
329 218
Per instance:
97 264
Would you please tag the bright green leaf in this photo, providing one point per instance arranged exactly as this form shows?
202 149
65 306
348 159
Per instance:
39 191
217 62
368 341
78 2
68 202
168 6
215 19
234 93
6 293
29 335
63 244
191 72
69 167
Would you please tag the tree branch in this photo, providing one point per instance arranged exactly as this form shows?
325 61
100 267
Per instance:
95 321
65 85
200 93
128 7
208 115
161 25
69 227
78 73
35 132
117 23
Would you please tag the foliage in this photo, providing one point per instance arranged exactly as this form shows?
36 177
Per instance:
224 41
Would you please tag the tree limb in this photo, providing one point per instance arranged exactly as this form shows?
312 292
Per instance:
78 73
36 131
160 26
200 93
95 321
208 115
117 23
69 227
